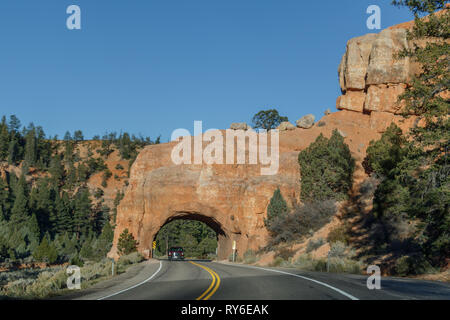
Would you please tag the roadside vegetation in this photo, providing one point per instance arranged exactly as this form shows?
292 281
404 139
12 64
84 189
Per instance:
326 168
51 281
49 215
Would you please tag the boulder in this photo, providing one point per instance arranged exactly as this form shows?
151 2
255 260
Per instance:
239 126
285 126
306 122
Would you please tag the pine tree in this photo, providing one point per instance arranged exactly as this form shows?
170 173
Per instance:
82 210
14 124
87 250
427 97
44 148
63 210
31 146
19 211
126 244
4 140
4 200
71 178
56 169
13 151
415 170
42 202
105 239
277 208
68 148
46 251
33 234
78 136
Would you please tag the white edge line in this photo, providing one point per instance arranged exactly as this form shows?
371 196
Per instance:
302 277
136 285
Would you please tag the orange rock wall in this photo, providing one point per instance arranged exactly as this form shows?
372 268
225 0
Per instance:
233 199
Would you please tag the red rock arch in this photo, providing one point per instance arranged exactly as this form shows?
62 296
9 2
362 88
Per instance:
234 196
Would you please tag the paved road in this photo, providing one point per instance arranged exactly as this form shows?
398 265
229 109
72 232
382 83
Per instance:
202 280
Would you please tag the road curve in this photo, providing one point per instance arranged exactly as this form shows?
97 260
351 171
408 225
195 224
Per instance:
202 280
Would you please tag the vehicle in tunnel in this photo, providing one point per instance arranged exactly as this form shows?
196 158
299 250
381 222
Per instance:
176 253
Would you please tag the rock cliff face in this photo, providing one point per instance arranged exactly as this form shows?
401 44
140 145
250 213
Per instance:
370 76
233 199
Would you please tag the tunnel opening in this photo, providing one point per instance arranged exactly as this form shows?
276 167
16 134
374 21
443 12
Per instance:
197 234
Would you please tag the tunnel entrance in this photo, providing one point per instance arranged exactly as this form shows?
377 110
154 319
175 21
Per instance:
197 234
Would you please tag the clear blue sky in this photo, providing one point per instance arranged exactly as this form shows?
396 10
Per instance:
149 67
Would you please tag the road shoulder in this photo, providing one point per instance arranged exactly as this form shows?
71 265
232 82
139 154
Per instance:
134 276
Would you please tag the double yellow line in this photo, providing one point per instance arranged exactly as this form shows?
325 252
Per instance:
215 283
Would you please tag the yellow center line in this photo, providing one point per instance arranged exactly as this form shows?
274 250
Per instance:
215 288
212 288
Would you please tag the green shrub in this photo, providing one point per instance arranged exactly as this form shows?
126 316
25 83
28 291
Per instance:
98 193
46 252
285 253
314 244
304 221
76 261
320 265
277 262
413 265
338 250
131 258
344 265
338 234
333 264
250 257
326 169
402 266
307 263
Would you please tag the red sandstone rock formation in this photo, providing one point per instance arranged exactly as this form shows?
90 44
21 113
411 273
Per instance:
233 199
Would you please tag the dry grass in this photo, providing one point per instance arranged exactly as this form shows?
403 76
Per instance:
45 283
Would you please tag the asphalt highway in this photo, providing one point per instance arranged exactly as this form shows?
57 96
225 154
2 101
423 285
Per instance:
205 280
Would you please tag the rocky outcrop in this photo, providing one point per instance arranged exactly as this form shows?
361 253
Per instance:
306 122
370 75
285 126
239 126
